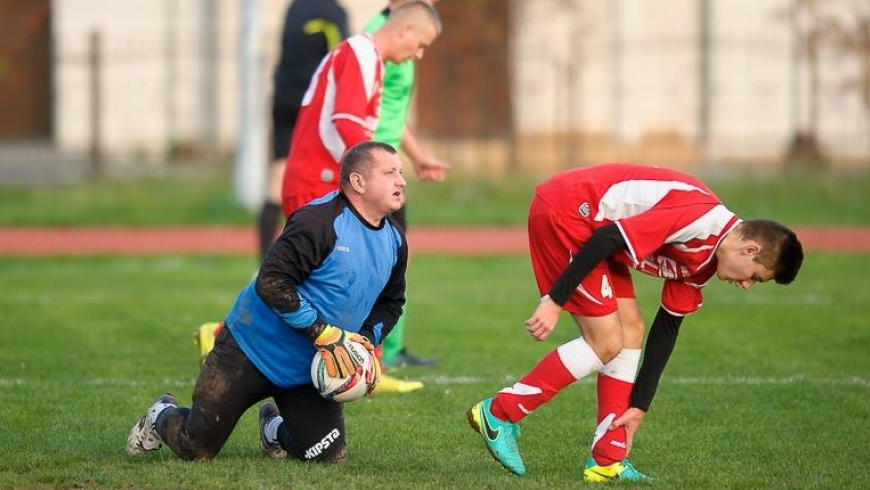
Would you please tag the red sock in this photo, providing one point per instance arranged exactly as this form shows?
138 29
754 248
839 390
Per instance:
537 387
613 398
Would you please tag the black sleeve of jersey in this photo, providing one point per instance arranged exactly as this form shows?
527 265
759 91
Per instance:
307 239
388 307
659 345
603 242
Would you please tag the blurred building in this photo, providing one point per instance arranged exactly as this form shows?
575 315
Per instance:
512 85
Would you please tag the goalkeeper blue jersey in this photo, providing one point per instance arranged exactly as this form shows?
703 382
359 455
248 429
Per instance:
328 265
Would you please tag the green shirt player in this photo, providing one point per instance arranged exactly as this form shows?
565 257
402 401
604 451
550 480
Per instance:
398 87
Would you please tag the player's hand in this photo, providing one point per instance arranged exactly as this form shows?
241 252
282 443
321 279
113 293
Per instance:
373 377
543 321
431 169
338 356
631 419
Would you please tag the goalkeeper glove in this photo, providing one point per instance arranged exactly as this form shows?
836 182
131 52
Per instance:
338 356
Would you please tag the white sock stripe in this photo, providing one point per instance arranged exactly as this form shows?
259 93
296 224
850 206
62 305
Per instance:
521 389
601 429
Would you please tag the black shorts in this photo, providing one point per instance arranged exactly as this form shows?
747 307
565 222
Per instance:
313 428
227 386
281 134
285 111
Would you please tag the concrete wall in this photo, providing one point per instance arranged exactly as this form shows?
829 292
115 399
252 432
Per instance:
153 71
615 79
622 79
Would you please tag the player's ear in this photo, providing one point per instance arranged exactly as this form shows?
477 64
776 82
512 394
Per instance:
406 30
751 248
357 181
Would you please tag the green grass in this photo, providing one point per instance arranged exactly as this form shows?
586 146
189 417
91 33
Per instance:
767 389
140 202
185 200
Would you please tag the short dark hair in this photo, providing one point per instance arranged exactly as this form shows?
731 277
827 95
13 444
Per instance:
781 251
358 158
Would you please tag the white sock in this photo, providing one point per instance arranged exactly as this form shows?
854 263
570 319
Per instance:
624 366
579 359
156 410
271 429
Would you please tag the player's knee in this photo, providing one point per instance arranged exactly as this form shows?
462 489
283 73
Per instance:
321 453
197 454
606 347
609 350
337 456
632 333
328 449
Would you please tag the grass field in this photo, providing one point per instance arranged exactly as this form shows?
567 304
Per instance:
767 389
792 199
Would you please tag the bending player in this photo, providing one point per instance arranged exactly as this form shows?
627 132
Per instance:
587 227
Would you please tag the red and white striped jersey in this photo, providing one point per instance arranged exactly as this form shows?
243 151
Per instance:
672 222
339 110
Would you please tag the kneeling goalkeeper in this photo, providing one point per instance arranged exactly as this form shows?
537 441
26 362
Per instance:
336 274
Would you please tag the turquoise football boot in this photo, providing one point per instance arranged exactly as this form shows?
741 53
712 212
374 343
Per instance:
621 470
499 436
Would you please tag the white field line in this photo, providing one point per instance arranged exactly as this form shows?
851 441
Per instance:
684 380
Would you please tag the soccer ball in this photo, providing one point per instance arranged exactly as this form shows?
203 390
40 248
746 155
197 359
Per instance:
350 388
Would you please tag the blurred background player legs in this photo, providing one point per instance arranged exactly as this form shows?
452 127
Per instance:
398 87
312 28
393 348
394 353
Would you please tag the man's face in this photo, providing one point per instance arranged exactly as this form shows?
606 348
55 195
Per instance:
413 41
385 184
738 266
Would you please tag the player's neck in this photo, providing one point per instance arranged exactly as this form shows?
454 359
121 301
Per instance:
370 216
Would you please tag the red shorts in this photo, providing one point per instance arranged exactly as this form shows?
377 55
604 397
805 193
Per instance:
301 197
556 233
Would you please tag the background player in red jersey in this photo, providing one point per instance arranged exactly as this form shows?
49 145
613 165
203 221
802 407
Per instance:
587 227
342 104
340 109
312 28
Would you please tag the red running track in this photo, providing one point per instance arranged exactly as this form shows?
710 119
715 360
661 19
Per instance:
242 240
